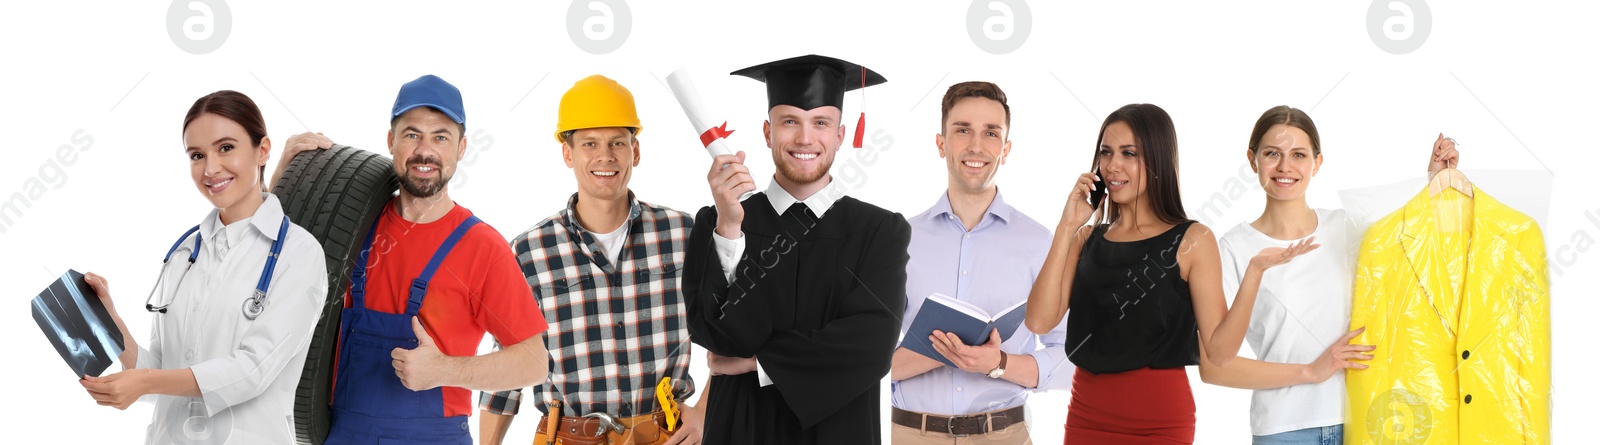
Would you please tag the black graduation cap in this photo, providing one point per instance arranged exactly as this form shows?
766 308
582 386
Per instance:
812 81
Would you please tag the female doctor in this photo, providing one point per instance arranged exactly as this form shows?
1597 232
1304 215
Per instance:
235 302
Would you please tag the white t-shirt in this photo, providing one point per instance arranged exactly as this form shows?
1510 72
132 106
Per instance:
611 243
1302 308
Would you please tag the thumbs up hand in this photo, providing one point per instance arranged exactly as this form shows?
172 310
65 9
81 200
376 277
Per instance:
424 367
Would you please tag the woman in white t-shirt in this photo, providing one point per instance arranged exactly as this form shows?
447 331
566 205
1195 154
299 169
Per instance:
1297 314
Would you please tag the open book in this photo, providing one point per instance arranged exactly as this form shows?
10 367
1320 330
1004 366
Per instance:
967 321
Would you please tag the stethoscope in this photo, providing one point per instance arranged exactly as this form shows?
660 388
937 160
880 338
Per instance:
258 299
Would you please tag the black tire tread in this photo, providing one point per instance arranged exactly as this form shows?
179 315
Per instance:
334 194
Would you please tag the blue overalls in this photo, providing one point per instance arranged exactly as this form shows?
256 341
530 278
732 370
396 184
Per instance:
370 405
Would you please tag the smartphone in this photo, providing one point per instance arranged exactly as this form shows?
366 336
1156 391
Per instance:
1099 191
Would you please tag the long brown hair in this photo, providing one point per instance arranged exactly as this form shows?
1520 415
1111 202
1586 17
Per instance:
236 107
1158 144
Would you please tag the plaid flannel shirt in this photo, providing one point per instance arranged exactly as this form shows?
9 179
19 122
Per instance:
615 328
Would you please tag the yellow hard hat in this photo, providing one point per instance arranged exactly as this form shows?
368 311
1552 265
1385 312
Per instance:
596 102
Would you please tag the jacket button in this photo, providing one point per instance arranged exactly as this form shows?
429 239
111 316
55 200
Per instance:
1469 398
1464 354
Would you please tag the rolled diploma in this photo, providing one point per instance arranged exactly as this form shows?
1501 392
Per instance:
689 98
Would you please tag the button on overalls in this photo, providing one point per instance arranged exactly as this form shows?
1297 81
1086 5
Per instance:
370 405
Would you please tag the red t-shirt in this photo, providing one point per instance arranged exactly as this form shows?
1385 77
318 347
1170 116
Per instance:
478 287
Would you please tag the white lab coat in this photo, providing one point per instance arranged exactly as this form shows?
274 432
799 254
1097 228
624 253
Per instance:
246 370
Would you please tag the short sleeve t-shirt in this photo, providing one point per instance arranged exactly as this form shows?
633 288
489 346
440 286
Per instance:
1301 308
478 288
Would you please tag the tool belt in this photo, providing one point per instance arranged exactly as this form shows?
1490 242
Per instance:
602 429
981 423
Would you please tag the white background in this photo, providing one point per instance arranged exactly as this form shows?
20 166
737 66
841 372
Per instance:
1512 81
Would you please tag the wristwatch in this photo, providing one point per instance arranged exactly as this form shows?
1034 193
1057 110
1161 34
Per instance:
999 370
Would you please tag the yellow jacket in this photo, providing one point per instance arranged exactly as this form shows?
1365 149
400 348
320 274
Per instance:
1454 293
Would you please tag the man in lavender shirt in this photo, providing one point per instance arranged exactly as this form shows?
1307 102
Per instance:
973 247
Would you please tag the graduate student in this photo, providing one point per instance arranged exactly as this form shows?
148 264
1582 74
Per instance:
796 292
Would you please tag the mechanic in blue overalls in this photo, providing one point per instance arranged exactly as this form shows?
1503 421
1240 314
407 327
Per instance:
430 281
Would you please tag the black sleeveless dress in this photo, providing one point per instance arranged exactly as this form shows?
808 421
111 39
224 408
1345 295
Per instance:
1131 331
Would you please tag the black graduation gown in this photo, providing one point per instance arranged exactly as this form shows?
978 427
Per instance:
819 302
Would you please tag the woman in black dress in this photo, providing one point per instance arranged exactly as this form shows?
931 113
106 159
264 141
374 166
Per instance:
1144 283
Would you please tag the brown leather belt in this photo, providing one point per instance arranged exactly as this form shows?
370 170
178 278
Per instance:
643 429
980 423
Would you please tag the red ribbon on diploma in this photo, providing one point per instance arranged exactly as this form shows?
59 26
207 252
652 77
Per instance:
715 133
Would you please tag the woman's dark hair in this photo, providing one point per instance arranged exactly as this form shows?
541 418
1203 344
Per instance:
1158 147
236 107
1286 115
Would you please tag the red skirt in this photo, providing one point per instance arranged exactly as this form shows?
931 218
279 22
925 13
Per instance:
1142 406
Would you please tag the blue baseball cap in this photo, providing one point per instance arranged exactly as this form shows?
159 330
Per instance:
432 92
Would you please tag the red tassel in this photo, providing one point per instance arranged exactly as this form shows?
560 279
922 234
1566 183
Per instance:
861 123
861 129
